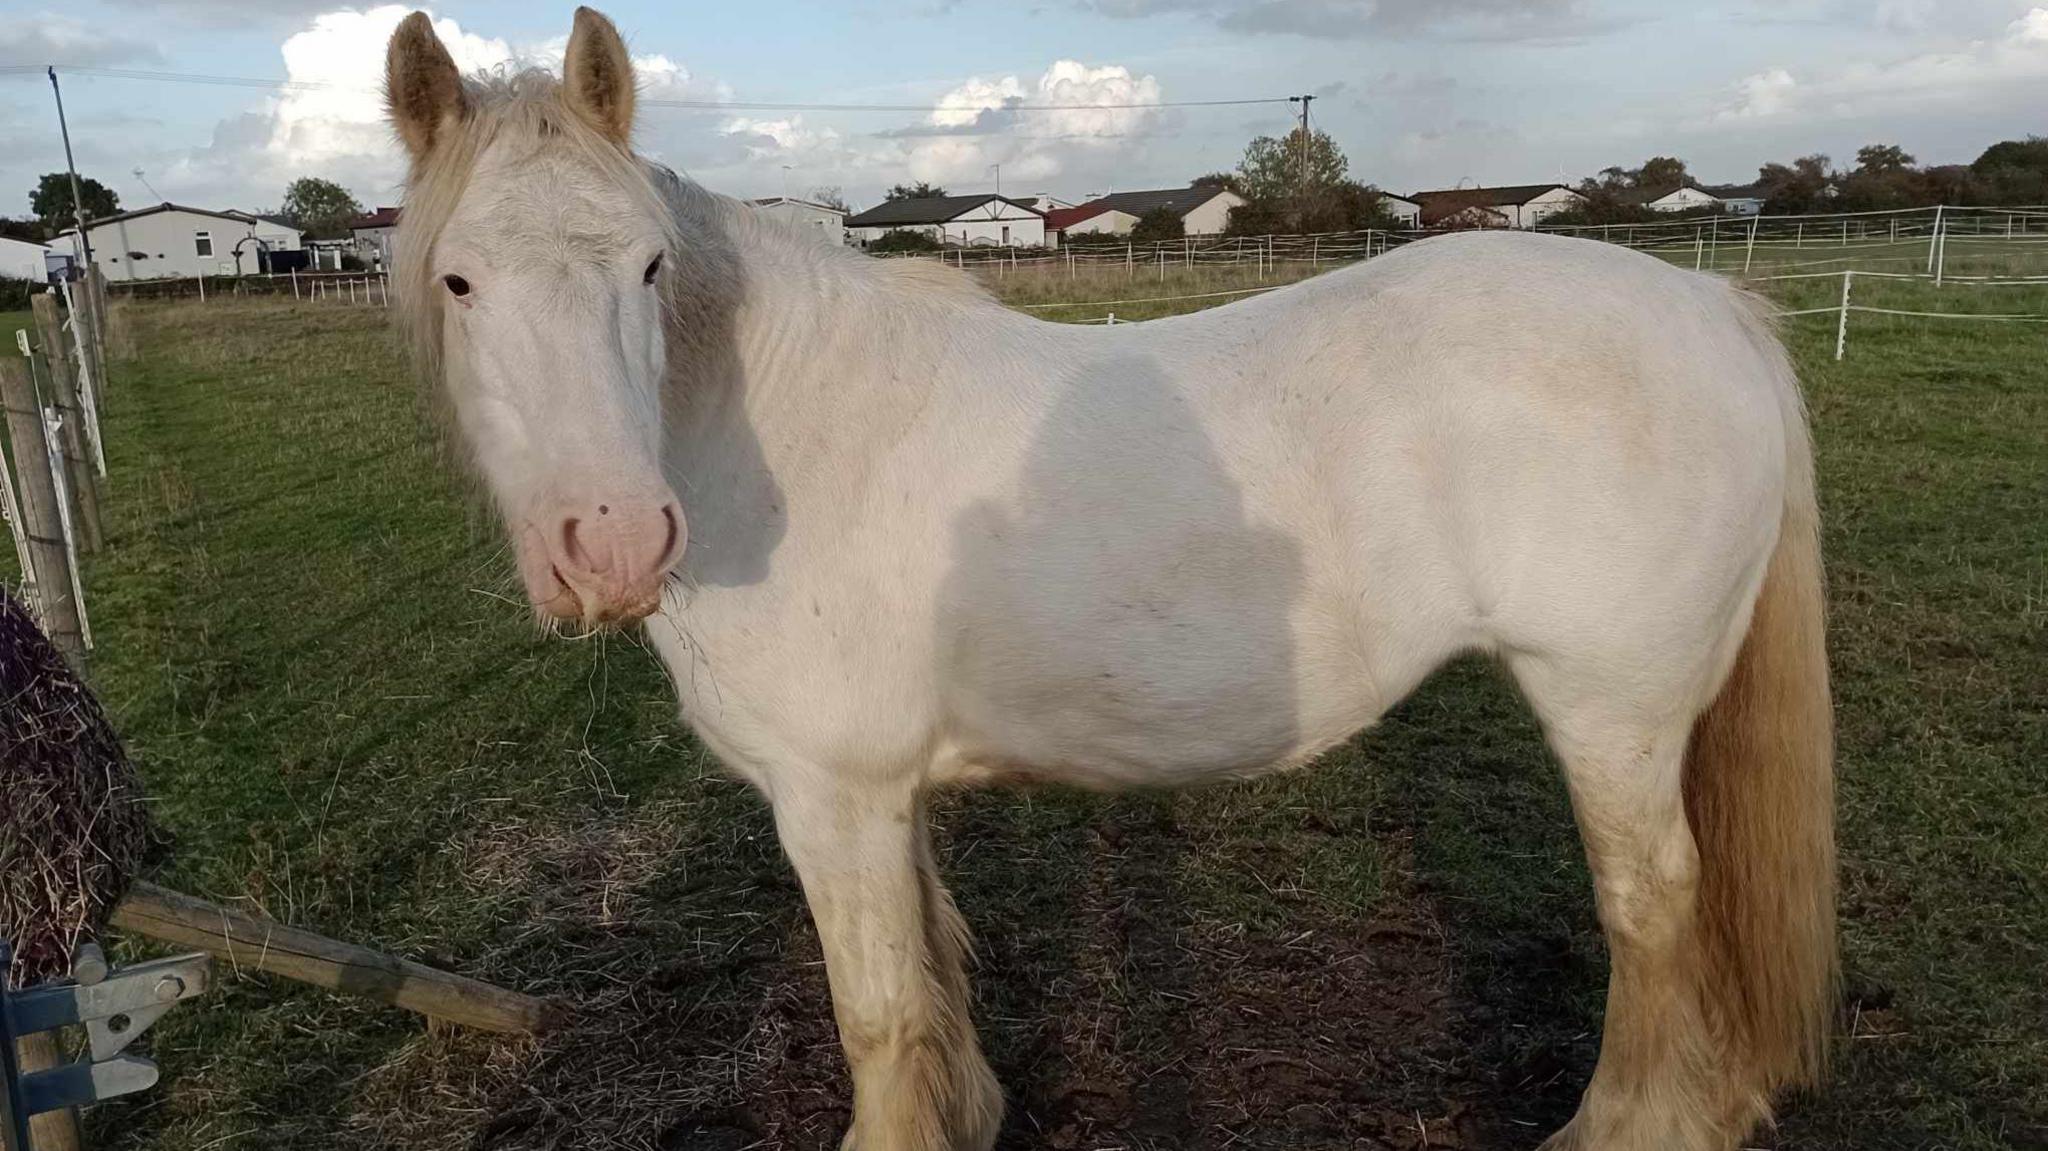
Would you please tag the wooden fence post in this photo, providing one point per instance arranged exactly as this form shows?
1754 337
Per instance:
83 485
85 321
37 490
51 1130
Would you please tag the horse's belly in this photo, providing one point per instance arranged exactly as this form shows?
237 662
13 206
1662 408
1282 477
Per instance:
1109 668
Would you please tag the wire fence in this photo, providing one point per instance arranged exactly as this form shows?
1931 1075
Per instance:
373 288
1944 246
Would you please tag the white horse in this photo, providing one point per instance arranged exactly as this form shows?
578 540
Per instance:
933 542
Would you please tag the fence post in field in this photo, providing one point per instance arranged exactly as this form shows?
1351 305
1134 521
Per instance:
1842 325
102 316
1749 251
51 1130
1940 255
41 515
1130 266
1799 236
82 485
1699 247
295 283
86 322
1934 237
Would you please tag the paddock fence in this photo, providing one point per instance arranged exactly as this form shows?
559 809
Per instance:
364 288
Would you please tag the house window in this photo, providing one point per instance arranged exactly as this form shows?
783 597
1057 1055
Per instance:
203 241
1006 235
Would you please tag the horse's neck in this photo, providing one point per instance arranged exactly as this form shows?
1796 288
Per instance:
790 362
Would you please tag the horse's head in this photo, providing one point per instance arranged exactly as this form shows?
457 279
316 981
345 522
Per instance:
530 261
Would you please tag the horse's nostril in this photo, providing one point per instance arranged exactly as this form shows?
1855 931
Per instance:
572 548
604 509
668 515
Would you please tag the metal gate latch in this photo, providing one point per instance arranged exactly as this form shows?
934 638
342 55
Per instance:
114 1004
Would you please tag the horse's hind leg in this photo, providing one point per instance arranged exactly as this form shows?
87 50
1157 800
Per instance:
1663 1080
895 953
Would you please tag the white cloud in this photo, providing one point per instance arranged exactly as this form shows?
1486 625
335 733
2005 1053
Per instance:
52 38
1981 73
331 121
1104 112
1764 94
1361 19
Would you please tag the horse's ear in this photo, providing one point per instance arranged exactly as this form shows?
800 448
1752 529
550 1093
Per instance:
597 76
422 88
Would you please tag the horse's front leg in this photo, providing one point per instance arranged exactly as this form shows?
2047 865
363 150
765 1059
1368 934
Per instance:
896 953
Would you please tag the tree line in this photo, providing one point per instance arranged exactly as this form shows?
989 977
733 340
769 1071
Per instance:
1884 176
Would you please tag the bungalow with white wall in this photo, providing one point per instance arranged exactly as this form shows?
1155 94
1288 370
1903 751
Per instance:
984 220
1405 211
171 240
824 221
1739 199
1519 205
375 234
23 260
1204 210
1679 199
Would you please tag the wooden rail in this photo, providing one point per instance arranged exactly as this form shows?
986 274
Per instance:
249 942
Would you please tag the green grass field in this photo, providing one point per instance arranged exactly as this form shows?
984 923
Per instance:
317 653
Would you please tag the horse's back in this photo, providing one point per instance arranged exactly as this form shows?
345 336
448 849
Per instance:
1534 442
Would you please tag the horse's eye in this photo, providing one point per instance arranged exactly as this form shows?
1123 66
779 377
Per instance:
456 285
653 269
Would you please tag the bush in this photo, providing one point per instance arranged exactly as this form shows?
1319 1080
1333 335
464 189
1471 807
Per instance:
14 297
903 240
1158 224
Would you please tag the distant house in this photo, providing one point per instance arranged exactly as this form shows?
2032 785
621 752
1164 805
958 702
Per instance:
821 220
174 240
1204 210
1048 203
23 260
374 234
1403 209
984 220
1679 199
1738 199
1519 205
1088 219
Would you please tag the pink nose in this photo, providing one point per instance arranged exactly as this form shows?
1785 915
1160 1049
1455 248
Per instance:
604 562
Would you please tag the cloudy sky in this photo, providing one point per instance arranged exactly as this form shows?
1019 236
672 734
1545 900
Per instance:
1419 93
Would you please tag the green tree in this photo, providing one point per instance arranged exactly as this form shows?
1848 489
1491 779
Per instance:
321 207
1801 186
1217 180
2012 172
918 191
1158 224
1274 169
1882 158
51 200
1662 172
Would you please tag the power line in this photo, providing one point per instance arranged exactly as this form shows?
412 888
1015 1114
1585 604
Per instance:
695 105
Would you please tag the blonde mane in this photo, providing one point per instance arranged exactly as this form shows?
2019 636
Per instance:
527 109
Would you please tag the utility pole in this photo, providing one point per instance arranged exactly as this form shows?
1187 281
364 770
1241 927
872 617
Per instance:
77 205
1304 101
